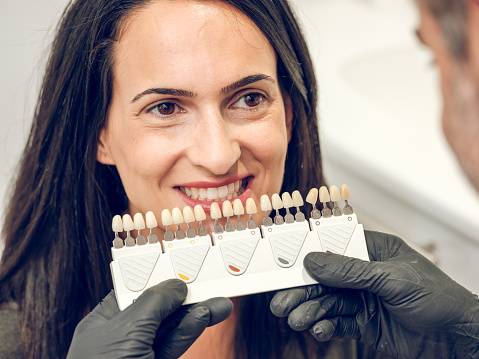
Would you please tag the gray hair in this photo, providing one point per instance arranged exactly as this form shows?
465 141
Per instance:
451 16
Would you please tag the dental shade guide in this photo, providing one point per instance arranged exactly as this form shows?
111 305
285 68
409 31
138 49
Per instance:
237 262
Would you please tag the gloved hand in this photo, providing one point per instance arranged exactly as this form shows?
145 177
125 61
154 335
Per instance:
154 326
399 303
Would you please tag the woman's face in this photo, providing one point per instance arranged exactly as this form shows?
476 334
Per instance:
196 107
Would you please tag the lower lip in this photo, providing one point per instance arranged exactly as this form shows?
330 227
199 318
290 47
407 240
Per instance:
207 204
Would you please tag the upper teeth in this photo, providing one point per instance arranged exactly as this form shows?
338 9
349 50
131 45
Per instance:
222 193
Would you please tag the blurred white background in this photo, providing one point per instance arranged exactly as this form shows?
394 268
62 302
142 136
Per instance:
379 108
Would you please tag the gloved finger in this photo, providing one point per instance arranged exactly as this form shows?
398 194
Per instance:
338 327
285 301
183 336
343 303
154 305
102 313
219 309
383 247
345 272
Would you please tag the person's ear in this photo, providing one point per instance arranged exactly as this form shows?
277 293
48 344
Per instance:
103 154
288 111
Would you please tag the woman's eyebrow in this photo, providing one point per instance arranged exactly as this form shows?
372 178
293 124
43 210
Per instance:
245 81
164 91
184 93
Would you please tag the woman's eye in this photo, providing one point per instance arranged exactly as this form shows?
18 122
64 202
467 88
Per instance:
250 100
165 109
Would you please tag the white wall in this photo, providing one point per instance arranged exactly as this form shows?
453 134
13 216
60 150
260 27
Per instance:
26 29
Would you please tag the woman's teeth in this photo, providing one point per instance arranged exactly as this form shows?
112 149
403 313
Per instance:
217 194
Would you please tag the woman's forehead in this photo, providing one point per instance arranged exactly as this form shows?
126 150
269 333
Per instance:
172 40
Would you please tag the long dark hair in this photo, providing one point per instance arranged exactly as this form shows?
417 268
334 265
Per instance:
57 234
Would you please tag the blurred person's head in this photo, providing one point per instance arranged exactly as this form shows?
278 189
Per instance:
449 29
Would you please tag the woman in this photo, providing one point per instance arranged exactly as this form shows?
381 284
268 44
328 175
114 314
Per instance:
141 100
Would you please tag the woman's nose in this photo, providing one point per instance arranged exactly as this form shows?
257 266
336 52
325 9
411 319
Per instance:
215 144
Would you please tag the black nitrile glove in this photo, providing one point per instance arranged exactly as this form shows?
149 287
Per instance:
399 303
154 326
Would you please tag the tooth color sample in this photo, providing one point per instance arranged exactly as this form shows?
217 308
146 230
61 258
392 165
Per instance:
334 193
345 193
312 196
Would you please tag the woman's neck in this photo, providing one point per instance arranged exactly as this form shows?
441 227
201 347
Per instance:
216 342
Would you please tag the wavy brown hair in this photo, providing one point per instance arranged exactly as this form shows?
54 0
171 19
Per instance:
57 234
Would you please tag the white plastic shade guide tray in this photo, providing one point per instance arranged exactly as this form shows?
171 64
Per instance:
235 262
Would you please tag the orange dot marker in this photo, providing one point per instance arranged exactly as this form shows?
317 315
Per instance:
183 276
234 269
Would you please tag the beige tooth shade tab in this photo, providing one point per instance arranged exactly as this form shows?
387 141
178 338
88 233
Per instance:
345 192
166 218
215 211
276 200
200 214
177 216
139 225
287 200
312 196
128 224
251 206
238 207
117 224
334 193
188 214
265 203
227 209
324 195
297 199
151 220
151 223
139 221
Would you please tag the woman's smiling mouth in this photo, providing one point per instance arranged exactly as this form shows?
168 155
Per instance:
216 194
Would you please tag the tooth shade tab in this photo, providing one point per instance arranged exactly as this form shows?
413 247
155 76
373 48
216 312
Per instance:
215 211
166 218
312 196
188 214
345 192
334 193
151 220
238 208
324 195
297 199
277 203
251 206
227 209
287 200
265 203
139 221
177 216
128 224
117 224
200 214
